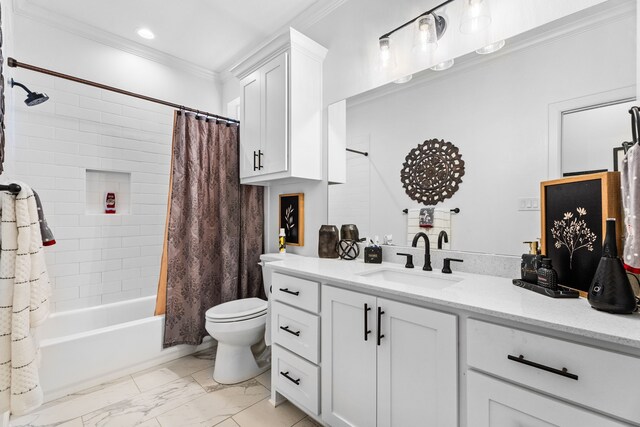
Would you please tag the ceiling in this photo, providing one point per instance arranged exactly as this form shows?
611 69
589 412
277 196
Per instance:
208 33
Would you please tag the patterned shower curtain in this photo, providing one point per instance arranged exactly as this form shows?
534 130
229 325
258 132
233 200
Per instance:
214 232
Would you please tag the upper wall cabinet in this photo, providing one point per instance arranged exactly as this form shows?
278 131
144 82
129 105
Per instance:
281 111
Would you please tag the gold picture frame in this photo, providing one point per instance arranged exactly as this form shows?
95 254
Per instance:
291 218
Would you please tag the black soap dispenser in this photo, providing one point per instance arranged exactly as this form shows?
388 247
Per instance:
610 289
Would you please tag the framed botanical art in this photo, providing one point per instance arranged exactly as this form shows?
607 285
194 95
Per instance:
292 218
574 212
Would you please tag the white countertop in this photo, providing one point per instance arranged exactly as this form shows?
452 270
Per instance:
489 295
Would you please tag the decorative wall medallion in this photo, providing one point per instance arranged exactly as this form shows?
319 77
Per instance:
432 172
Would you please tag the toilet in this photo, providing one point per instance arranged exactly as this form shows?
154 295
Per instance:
239 328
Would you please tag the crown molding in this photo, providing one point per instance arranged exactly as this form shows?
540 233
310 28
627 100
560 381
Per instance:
25 9
302 22
569 26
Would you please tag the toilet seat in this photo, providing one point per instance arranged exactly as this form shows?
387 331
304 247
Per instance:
238 310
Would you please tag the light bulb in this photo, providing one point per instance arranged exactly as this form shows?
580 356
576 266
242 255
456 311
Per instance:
146 33
475 16
425 36
443 65
493 47
385 52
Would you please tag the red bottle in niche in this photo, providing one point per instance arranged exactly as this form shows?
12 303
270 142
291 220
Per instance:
110 203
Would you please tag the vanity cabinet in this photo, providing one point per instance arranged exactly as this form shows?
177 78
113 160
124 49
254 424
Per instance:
495 403
295 331
386 363
281 111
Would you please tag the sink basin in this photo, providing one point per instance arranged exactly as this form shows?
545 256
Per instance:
413 278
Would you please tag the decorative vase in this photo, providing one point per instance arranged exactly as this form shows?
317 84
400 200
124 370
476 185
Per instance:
349 232
328 241
610 289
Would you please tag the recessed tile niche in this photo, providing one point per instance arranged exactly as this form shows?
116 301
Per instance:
101 182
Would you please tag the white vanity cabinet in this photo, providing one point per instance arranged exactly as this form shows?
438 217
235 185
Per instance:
386 363
495 403
281 111
295 331
591 377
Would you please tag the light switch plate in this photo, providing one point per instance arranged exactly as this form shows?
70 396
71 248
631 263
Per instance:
528 204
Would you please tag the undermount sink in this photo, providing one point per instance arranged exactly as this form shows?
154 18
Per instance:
414 278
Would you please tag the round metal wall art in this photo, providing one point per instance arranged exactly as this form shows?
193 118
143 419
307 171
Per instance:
432 172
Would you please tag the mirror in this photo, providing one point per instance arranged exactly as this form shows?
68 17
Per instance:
552 100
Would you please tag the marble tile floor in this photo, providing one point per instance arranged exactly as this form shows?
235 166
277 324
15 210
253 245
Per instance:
180 393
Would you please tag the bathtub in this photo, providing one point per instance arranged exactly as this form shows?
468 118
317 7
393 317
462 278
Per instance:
86 347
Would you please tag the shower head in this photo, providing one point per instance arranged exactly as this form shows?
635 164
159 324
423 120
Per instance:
33 98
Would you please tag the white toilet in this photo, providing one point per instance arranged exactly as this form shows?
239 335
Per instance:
239 328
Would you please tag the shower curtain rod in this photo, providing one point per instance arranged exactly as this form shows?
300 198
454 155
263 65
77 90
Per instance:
11 62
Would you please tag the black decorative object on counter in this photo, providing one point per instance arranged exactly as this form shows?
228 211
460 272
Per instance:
348 249
373 254
559 292
610 289
349 232
328 241
432 172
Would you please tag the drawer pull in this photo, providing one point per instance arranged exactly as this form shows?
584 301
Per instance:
380 335
287 291
367 331
286 375
286 329
562 372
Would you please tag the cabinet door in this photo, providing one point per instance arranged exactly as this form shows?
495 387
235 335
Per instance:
275 118
495 403
348 360
250 119
417 366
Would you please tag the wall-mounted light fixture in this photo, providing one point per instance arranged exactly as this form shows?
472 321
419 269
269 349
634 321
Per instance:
429 27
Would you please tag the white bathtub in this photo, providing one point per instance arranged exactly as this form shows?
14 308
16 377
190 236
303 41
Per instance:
86 347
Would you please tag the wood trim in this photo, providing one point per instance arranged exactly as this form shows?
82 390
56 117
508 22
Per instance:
611 203
300 218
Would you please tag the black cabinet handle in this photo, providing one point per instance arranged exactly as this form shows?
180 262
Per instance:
287 291
380 335
286 375
260 154
286 328
255 166
562 372
367 309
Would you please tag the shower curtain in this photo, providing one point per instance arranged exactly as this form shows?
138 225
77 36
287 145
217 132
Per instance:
214 233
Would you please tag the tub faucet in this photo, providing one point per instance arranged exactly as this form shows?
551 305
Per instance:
427 250
443 234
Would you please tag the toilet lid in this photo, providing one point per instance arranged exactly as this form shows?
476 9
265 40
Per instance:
238 309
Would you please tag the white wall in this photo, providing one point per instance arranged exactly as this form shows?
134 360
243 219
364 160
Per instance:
98 258
497 114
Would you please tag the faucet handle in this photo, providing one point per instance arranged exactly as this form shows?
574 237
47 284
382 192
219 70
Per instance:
446 268
409 263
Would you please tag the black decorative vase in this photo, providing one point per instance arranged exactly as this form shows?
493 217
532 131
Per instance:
610 289
328 241
349 232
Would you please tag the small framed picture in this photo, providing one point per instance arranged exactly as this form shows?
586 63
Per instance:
574 212
292 218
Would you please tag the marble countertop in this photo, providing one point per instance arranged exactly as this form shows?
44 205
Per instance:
488 295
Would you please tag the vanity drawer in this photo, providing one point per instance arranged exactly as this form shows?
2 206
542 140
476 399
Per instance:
296 378
596 378
301 293
296 330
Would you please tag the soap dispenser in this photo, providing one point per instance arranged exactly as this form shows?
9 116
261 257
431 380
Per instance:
610 289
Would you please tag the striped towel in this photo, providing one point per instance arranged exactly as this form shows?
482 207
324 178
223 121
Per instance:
24 302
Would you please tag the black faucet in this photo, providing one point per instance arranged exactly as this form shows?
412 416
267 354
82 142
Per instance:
427 248
446 268
443 235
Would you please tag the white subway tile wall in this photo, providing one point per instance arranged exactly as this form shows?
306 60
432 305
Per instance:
74 148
